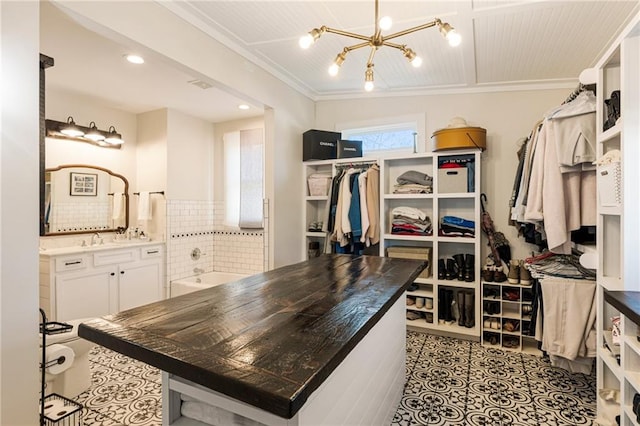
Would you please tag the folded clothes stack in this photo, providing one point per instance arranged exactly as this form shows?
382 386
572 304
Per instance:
453 226
413 182
410 221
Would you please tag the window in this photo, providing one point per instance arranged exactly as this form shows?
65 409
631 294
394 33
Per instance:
243 178
385 140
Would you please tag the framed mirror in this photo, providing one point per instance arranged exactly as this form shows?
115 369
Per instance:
80 198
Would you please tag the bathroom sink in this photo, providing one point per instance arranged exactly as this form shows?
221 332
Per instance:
91 248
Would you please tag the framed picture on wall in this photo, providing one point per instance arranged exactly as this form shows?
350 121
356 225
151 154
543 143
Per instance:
84 184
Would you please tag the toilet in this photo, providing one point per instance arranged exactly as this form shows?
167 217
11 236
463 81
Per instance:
77 378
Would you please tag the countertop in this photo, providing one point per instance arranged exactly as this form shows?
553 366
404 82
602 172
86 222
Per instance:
110 245
627 302
268 340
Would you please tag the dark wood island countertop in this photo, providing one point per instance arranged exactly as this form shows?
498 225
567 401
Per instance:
270 339
627 302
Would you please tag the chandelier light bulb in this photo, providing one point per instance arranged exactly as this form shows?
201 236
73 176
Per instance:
368 78
333 70
385 23
416 62
454 38
306 41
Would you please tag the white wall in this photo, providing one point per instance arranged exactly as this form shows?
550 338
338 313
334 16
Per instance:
19 187
150 24
151 169
61 104
507 116
190 154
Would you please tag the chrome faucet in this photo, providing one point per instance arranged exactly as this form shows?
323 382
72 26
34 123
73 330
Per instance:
93 240
198 271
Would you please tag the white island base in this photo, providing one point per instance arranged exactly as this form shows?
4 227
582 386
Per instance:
365 389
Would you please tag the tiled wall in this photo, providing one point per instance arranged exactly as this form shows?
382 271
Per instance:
199 224
84 216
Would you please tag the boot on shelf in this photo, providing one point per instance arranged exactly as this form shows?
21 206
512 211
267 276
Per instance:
442 269
514 272
448 314
451 271
441 304
459 259
460 298
525 275
469 268
469 309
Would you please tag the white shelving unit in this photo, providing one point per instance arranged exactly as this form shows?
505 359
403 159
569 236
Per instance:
315 205
618 232
504 303
437 204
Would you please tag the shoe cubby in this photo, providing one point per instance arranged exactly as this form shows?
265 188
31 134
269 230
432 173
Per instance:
508 315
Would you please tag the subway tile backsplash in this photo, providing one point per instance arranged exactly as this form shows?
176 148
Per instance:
199 224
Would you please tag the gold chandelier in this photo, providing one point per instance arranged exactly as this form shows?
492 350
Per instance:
376 41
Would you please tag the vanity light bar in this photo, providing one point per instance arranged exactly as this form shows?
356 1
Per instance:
111 138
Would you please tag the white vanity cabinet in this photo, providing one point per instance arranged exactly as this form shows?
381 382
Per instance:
100 282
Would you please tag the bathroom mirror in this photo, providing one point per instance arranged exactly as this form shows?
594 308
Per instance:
80 198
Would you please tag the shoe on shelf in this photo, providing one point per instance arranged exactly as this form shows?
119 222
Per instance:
511 325
514 272
428 303
488 274
451 272
413 287
498 274
413 315
411 301
525 275
511 295
429 317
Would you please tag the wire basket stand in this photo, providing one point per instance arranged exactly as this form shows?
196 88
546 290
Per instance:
55 410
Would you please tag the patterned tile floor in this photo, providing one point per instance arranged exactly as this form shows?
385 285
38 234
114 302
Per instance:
455 382
449 382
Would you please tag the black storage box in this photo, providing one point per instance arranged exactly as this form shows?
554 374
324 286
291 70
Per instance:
349 149
319 145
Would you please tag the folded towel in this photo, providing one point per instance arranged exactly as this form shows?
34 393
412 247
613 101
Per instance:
144 206
116 212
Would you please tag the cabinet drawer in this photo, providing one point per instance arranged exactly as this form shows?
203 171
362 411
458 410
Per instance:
71 263
113 257
150 252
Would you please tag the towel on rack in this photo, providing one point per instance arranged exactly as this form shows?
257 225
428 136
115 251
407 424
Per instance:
144 206
116 212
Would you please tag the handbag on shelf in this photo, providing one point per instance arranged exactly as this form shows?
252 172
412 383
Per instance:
613 109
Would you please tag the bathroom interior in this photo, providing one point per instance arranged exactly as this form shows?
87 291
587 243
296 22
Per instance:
156 208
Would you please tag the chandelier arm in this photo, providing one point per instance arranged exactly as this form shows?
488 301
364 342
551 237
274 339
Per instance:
402 47
371 55
412 30
356 46
348 34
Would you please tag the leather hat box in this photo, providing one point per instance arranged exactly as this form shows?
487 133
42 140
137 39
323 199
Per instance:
419 253
460 138
320 145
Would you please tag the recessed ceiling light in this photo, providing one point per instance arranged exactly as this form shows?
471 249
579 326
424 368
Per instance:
243 106
135 59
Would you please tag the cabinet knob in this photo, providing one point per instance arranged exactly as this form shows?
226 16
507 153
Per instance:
113 273
121 272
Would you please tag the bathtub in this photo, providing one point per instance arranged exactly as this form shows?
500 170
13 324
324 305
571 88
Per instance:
200 282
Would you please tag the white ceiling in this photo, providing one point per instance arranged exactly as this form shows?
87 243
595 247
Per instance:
505 43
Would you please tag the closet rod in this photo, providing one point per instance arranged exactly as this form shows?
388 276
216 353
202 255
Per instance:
356 163
153 192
